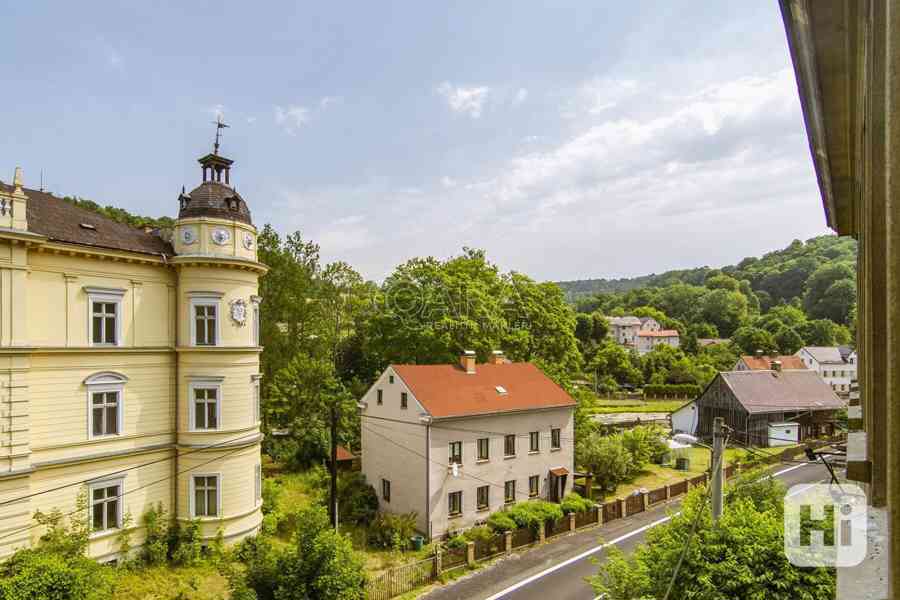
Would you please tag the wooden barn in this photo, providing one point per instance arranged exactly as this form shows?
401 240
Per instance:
752 401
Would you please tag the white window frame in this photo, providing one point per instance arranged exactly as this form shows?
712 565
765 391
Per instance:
255 316
257 482
255 394
191 497
102 382
105 483
205 383
205 299
111 296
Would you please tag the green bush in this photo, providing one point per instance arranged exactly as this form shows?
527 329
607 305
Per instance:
456 542
43 574
534 513
501 521
356 499
185 543
156 542
672 390
271 493
482 533
574 503
387 528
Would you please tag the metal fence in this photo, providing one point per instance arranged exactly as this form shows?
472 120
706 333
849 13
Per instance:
588 517
402 579
611 511
657 495
492 546
453 557
634 504
677 489
522 537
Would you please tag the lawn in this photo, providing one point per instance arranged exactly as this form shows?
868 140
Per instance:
202 582
633 406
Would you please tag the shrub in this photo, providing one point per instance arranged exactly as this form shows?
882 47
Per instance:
574 503
481 533
534 513
672 390
41 573
356 499
184 543
501 521
607 458
386 527
271 493
456 542
156 542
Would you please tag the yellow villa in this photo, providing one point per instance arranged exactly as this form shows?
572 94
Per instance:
129 364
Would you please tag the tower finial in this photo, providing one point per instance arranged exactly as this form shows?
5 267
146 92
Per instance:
220 125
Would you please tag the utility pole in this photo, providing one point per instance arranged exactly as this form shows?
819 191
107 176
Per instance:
718 468
333 504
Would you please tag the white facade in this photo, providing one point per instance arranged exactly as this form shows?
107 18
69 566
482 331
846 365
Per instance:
784 434
837 368
646 341
685 419
413 454
624 329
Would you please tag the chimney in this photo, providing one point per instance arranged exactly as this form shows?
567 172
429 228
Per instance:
775 365
759 354
497 357
467 361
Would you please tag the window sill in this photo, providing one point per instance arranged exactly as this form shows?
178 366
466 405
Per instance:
555 449
98 535
483 509
481 461
508 456
454 516
509 502
534 452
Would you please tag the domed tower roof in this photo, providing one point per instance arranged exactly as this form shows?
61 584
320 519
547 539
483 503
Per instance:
214 197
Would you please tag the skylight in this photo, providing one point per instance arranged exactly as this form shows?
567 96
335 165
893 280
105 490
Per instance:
500 389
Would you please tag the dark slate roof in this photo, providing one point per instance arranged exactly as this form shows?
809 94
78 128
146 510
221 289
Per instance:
777 391
214 199
61 221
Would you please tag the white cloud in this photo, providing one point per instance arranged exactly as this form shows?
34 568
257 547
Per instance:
291 118
520 96
465 100
448 182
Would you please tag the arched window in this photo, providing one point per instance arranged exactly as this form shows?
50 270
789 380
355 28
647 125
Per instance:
106 403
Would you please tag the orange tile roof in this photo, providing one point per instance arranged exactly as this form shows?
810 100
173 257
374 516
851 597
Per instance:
763 363
344 454
448 391
660 333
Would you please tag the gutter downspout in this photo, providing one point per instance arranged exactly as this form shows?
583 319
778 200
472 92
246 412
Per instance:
177 394
427 421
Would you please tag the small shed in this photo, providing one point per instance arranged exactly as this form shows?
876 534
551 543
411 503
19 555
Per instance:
684 419
784 434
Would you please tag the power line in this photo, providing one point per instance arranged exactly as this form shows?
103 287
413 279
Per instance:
125 470
482 431
124 493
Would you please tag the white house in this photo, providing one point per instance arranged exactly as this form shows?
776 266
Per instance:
454 443
835 364
647 340
624 329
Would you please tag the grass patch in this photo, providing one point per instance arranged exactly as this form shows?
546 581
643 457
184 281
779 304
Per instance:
201 582
627 406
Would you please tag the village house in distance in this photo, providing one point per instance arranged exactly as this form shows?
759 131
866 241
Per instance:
835 364
456 442
131 364
641 333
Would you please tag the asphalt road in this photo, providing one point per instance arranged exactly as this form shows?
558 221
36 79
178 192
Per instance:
558 569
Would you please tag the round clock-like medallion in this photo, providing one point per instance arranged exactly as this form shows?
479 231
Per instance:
220 236
188 235
248 241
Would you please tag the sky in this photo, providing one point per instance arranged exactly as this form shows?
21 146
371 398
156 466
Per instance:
569 140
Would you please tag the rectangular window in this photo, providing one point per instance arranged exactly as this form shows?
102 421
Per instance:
206 495
386 490
555 439
484 493
484 449
257 482
103 322
206 408
509 491
380 394
256 408
256 326
509 445
454 503
205 324
105 507
403 400
456 453
105 413
390 379
534 442
534 486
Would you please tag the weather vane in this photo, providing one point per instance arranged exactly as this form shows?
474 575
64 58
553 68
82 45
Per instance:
220 125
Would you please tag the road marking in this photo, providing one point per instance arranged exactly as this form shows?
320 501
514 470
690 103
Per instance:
587 553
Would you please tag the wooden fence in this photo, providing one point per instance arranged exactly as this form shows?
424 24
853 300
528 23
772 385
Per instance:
634 504
657 495
402 579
